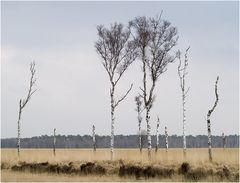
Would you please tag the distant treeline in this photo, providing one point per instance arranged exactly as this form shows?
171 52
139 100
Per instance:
121 141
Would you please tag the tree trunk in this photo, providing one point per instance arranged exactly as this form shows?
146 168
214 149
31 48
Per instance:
54 142
112 122
94 139
18 141
184 129
148 133
224 140
18 128
157 136
140 135
166 136
209 123
209 140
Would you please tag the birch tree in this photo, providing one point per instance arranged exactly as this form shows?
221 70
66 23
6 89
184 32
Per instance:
166 139
154 39
23 102
182 72
209 122
54 141
94 138
224 141
157 134
117 51
139 117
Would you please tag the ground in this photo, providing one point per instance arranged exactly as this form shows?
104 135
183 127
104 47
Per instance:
128 165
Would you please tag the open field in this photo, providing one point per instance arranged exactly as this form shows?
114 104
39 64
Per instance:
168 163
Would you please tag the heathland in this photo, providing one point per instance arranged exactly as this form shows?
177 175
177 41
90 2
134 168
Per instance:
128 165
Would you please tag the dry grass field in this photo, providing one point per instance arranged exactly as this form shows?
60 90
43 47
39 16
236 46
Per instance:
197 158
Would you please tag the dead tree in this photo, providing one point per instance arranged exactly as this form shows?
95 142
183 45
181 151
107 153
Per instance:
157 135
209 122
118 52
23 102
166 139
224 140
154 39
54 141
182 72
94 138
143 134
139 117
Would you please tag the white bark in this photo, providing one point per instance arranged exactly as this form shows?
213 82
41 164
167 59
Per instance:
184 127
209 122
182 72
54 142
112 122
148 133
140 135
166 138
209 139
157 134
18 128
139 111
224 140
94 138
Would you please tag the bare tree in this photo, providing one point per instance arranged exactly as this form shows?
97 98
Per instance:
209 122
23 102
224 140
143 134
139 117
157 135
166 139
182 72
94 138
118 52
155 39
54 141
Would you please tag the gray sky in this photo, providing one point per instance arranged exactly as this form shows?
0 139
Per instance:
73 87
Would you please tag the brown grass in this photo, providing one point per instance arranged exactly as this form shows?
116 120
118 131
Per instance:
128 165
194 155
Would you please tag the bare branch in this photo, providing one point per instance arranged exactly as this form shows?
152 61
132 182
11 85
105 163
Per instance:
186 92
23 102
216 101
140 95
31 85
124 96
141 89
138 103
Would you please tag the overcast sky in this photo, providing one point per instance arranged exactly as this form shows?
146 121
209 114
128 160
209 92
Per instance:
73 87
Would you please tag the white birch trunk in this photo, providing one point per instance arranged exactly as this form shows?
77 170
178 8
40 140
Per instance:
157 135
112 122
182 72
224 140
184 128
209 139
166 138
94 138
209 122
18 140
54 142
140 135
18 128
148 134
